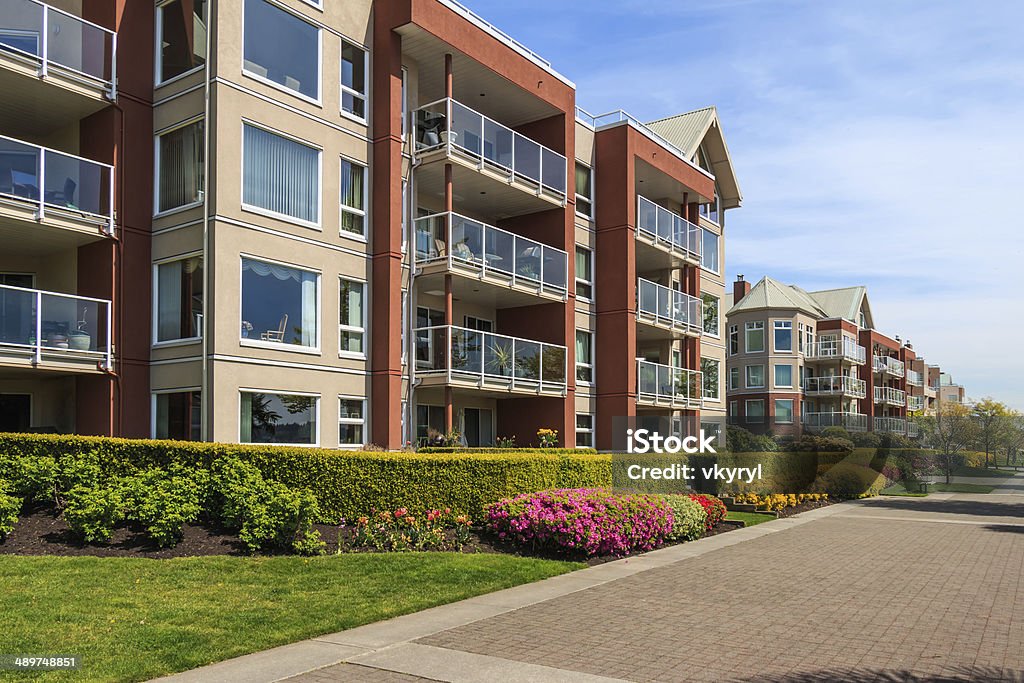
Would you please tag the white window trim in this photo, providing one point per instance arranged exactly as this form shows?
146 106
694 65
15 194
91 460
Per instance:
589 365
344 208
364 421
746 376
736 329
184 341
589 200
291 348
782 325
718 252
717 398
775 380
157 213
792 411
752 325
365 97
183 390
350 328
158 27
746 409
717 334
277 392
590 282
583 430
319 58
738 373
250 208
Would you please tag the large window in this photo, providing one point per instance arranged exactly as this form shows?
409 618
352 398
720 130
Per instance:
178 415
181 35
352 422
584 190
709 250
783 411
734 378
280 175
281 48
711 304
784 376
278 418
353 198
584 273
352 319
709 368
734 339
584 356
279 304
754 410
179 299
783 340
179 161
353 80
754 337
584 430
755 376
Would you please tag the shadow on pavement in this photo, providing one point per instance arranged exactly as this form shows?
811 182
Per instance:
1008 528
953 507
959 673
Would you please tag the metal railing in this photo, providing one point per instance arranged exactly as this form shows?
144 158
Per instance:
491 360
835 385
666 385
56 40
890 396
851 421
915 378
51 180
448 124
889 365
830 349
915 403
893 425
659 305
47 323
913 431
668 229
488 250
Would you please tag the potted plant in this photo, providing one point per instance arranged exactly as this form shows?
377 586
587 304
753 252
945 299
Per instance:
79 339
501 358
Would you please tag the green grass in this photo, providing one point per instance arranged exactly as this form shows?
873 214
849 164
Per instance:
133 619
750 518
967 471
900 490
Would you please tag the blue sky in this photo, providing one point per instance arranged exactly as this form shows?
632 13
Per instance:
876 143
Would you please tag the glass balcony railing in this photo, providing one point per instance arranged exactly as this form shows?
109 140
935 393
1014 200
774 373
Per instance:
834 349
668 229
915 403
890 396
665 307
488 250
58 41
49 179
851 421
892 425
838 385
447 123
664 384
492 360
915 378
889 365
48 323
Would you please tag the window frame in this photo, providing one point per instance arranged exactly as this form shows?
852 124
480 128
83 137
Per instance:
364 421
182 341
746 376
782 325
361 355
158 57
588 283
279 346
746 410
585 430
364 212
589 366
252 208
704 376
792 411
280 392
775 375
182 390
734 330
157 212
718 251
717 334
747 328
589 200
319 57
365 97
734 371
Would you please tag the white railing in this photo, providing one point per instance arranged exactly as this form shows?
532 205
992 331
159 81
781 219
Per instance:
915 403
915 378
491 360
488 250
668 229
913 431
50 323
830 349
56 40
857 422
659 305
835 385
889 365
665 385
893 425
448 124
50 180
890 396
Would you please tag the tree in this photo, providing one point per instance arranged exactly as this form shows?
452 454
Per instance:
952 430
1013 437
991 417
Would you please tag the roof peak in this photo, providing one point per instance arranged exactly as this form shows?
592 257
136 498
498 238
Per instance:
710 107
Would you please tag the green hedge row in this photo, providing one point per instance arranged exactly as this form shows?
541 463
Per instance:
505 451
346 483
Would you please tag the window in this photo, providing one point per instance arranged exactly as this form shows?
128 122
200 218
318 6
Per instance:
783 335
280 175
584 190
179 163
584 430
710 314
178 415
734 378
479 324
353 80
755 376
584 356
784 375
353 198
279 304
179 299
755 411
734 339
278 418
351 421
709 251
181 35
783 411
710 210
429 422
800 338
352 318
584 273
709 368
754 337
677 358
282 49
734 408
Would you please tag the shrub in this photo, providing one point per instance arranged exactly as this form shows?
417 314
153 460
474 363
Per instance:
400 530
10 506
582 521
779 501
836 432
689 518
739 440
713 507
866 440
821 444
164 502
33 478
847 480
93 512
892 473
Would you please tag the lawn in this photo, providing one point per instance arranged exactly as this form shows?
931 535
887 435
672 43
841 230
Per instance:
133 619
967 471
900 490
749 518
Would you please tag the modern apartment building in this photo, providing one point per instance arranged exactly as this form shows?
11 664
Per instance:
334 224
802 360
943 387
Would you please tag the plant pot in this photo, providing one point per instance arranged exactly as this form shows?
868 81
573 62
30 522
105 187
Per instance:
449 136
57 341
80 341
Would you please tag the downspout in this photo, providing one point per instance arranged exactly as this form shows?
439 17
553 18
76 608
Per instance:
410 313
204 423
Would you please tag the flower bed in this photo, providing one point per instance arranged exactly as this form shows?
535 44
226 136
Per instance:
713 507
779 501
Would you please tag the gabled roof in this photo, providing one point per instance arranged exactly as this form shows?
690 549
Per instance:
845 303
690 130
770 293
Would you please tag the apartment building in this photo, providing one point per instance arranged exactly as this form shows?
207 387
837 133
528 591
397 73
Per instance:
802 360
334 224
943 387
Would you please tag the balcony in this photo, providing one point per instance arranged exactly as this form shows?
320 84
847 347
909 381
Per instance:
55 68
495 169
52 331
846 350
838 385
914 378
854 422
665 313
891 425
889 396
73 208
889 366
671 239
495 363
913 431
664 386
915 403
510 269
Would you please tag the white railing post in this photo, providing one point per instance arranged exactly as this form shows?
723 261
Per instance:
513 165
482 145
541 366
110 199
449 245
541 248
540 170
113 67
42 184
39 328
110 337
45 43
448 126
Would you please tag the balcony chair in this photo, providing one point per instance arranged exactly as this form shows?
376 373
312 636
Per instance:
24 184
278 334
65 197
429 127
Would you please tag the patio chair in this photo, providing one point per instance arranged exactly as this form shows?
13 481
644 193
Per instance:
278 334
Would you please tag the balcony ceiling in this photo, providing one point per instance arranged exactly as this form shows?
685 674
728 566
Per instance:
655 185
35 239
479 194
32 107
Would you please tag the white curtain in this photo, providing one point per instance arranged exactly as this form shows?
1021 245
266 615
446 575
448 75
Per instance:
281 175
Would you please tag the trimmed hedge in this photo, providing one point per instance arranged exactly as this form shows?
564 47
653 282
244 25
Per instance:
433 450
346 483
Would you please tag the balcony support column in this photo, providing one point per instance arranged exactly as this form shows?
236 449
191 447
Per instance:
449 88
